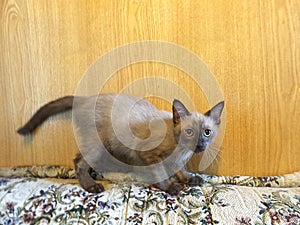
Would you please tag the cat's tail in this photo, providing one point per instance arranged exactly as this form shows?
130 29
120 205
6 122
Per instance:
57 106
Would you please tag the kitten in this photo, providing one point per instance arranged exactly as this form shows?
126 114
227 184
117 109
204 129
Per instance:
135 133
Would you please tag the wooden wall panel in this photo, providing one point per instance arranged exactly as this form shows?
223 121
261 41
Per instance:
252 47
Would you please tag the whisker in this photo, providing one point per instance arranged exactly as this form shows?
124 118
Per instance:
217 155
213 155
213 158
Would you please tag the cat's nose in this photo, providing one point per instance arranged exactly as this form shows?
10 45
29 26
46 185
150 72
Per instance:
200 147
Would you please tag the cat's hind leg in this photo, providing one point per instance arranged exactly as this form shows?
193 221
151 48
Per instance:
82 173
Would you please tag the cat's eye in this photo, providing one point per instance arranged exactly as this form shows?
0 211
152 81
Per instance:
207 132
189 132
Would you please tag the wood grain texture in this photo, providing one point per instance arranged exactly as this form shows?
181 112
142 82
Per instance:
251 47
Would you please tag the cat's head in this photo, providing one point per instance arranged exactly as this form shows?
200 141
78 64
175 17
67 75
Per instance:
194 130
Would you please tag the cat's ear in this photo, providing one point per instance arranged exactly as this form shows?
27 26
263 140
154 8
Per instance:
215 112
179 111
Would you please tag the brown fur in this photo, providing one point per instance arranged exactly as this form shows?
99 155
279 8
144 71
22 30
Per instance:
185 131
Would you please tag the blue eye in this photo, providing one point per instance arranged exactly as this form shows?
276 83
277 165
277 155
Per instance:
189 132
207 133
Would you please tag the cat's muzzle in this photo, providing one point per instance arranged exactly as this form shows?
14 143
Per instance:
200 148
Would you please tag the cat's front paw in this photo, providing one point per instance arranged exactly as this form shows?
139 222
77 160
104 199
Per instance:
175 188
195 180
95 188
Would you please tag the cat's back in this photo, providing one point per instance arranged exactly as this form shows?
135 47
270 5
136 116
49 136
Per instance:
117 108
125 106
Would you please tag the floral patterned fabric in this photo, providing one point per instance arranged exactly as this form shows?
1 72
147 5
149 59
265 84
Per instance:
51 195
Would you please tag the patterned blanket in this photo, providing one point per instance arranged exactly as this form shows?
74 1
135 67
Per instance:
51 195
